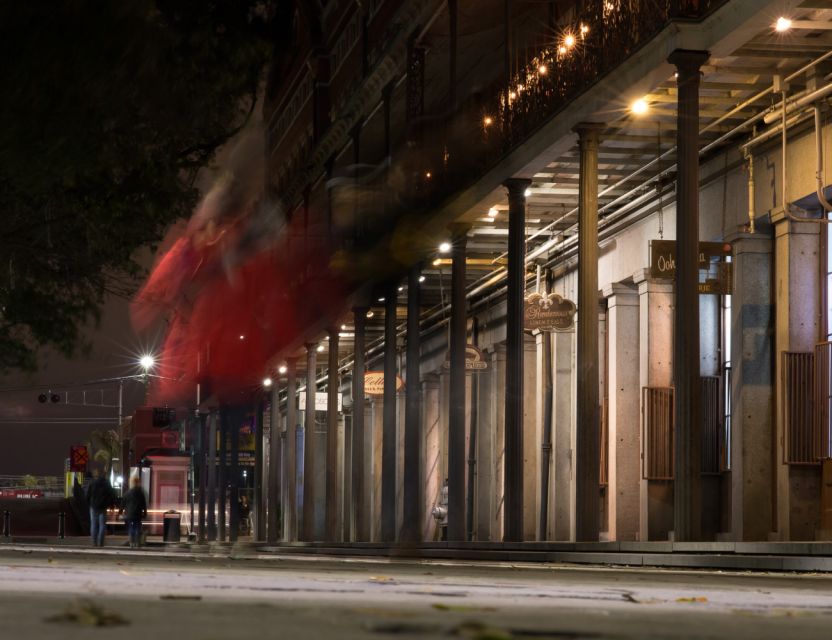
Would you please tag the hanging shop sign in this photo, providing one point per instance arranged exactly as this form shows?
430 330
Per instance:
548 312
374 383
474 359
321 400
715 272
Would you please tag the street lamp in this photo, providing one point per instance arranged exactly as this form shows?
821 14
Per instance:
146 362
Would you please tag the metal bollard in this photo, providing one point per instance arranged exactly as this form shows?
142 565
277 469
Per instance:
61 525
7 524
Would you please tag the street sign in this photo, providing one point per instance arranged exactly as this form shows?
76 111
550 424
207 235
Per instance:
548 312
712 260
321 401
79 457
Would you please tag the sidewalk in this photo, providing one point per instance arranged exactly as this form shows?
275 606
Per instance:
736 556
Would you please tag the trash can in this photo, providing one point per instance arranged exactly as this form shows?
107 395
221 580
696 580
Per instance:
170 526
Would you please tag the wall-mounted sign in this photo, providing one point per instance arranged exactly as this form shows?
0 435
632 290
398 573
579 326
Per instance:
321 401
716 270
79 457
474 359
374 383
548 312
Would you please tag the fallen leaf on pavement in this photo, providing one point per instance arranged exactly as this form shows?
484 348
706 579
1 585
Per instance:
88 614
692 599
381 579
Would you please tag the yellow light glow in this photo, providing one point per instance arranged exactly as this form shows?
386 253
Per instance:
487 121
639 107
512 95
584 29
282 369
561 49
492 212
542 70
782 24
569 40
428 175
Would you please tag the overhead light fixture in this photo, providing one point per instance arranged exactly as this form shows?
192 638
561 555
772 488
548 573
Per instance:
242 337
542 70
370 314
527 192
639 107
562 49
320 348
421 278
782 24
445 247
343 327
146 362
584 29
487 121
492 212
569 41
401 288
437 262
282 369
267 382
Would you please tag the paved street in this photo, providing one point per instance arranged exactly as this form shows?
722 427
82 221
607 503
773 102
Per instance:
146 595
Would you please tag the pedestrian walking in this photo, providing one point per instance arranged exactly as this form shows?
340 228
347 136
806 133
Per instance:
100 497
135 510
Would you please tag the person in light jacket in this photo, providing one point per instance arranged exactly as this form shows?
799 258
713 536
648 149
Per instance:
135 510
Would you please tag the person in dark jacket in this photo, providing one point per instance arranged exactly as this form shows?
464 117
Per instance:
135 510
100 497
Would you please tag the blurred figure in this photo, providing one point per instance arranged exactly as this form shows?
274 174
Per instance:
100 497
440 511
245 514
135 510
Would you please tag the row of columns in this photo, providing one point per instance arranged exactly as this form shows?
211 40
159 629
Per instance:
322 488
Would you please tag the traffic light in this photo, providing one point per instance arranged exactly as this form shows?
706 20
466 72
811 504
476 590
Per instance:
53 397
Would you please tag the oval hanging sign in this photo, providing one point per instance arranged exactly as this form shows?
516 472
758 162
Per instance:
374 383
474 359
548 312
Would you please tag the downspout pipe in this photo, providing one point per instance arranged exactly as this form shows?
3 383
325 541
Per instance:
819 172
751 205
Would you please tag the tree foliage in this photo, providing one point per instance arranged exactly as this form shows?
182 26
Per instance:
108 111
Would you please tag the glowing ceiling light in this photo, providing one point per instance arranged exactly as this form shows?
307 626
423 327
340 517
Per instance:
561 49
527 192
146 362
428 175
445 247
569 41
242 337
487 121
782 24
584 29
542 70
320 348
282 369
401 288
267 382
343 327
512 95
492 212
421 278
639 107
370 314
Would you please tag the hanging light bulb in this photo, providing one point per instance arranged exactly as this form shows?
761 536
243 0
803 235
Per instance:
486 121
569 41
542 70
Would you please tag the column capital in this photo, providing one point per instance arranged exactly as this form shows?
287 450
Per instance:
588 130
688 61
619 290
310 346
517 186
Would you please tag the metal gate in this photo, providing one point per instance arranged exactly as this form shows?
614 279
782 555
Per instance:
800 439
657 432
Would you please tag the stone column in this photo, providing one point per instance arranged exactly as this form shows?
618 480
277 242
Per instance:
486 445
234 418
259 532
752 396
388 443
456 409
274 491
498 412
202 461
431 454
564 443
310 522
333 526
797 313
413 401
290 506
688 402
588 434
513 511
359 440
212 476
655 370
223 476
623 411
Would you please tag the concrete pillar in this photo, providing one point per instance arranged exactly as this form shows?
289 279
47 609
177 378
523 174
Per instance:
202 470
290 446
388 447
456 409
752 417
259 502
656 302
375 466
498 412
486 446
360 488
687 508
531 441
222 474
623 411
588 434
431 462
513 499
563 493
274 491
311 526
333 515
796 303
413 400
235 416
212 475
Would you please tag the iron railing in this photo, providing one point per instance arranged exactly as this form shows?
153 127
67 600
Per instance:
657 406
711 425
799 438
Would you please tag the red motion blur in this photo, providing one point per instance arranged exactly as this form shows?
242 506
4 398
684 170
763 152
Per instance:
229 312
